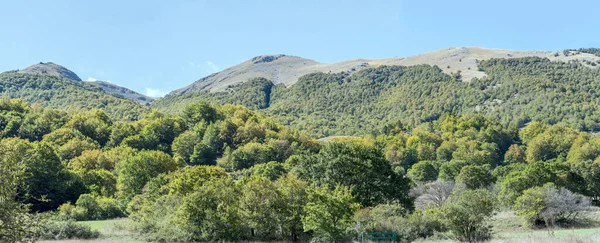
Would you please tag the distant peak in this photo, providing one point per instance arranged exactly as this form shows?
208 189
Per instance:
266 58
50 68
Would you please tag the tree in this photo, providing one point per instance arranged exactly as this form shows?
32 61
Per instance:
432 194
203 155
548 205
513 184
590 172
260 207
424 171
49 183
467 215
359 166
199 112
293 199
271 170
184 145
212 213
450 170
514 155
329 213
17 225
474 177
134 172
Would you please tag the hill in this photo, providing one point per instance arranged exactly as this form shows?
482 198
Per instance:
288 69
50 68
56 92
513 90
123 92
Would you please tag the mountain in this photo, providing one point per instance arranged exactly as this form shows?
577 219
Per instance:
288 69
514 87
50 68
122 91
54 86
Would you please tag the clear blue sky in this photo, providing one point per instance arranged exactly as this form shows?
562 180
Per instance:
158 46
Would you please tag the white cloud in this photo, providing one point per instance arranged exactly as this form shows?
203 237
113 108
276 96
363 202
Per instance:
155 92
90 79
213 66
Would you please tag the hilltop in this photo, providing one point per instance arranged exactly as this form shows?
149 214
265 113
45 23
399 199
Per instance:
287 70
50 68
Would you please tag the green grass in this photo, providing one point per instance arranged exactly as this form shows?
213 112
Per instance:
113 231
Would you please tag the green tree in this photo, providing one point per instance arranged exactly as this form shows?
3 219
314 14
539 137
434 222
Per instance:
199 112
329 213
424 171
474 177
212 213
361 167
134 172
17 225
293 199
467 214
260 206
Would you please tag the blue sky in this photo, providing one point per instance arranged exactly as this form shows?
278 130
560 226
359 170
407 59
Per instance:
156 46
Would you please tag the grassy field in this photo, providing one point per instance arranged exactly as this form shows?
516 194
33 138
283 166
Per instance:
112 231
507 227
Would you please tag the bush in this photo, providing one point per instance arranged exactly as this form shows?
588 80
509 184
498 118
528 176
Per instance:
548 205
89 207
62 230
467 213
432 194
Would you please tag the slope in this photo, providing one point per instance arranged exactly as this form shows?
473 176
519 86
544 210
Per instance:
56 92
515 91
288 69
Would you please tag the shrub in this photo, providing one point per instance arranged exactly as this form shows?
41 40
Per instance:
432 194
549 205
467 213
62 230
89 207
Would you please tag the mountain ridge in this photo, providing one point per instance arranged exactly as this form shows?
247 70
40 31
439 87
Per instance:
287 69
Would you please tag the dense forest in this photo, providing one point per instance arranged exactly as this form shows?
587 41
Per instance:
515 91
226 173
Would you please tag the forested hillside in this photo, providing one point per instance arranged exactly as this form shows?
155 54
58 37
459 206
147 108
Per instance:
218 173
515 91
55 92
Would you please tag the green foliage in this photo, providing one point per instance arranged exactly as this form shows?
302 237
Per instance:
89 207
15 222
474 177
515 91
133 173
423 171
467 214
260 204
359 166
211 213
56 230
548 205
450 170
329 213
55 92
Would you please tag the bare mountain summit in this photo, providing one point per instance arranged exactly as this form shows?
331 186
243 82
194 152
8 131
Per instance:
50 68
287 69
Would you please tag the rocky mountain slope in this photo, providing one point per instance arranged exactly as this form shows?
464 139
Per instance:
288 69
50 68
122 91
